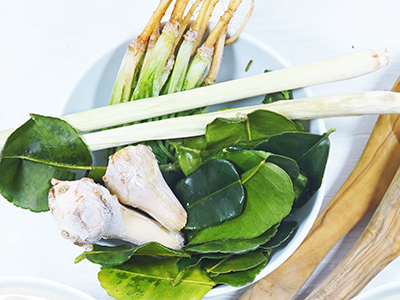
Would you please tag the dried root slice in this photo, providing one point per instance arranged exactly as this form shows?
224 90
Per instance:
134 177
87 212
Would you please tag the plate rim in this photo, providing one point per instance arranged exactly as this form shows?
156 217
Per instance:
40 285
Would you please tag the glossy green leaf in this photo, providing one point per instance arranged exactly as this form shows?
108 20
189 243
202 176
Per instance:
186 263
309 150
189 158
151 278
211 194
285 230
233 246
116 255
246 159
41 149
260 124
237 263
172 173
299 184
240 278
269 199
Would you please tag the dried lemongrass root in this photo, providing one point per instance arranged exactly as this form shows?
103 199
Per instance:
87 212
216 62
236 35
133 175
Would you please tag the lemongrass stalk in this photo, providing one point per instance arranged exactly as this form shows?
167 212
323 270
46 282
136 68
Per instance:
186 21
216 62
166 71
204 24
177 78
150 79
342 67
198 68
204 54
236 35
151 44
184 25
175 82
128 69
354 104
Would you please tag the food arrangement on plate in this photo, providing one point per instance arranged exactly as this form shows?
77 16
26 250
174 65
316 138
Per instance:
197 200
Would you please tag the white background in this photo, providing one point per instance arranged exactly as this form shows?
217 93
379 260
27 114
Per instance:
45 43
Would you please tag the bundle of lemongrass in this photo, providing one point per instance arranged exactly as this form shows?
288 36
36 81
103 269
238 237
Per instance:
174 57
169 58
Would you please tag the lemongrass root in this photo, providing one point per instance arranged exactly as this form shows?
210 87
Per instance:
204 24
363 103
222 22
236 35
216 62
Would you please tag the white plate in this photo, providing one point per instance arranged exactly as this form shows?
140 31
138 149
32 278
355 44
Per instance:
28 288
390 291
93 87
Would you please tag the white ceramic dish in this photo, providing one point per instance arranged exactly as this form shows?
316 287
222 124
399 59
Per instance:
390 291
93 87
28 288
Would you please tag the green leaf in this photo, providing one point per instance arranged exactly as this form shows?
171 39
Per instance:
172 173
299 184
285 231
237 263
151 278
257 125
239 278
242 158
246 159
117 255
309 150
211 194
189 158
41 149
269 199
233 246
185 263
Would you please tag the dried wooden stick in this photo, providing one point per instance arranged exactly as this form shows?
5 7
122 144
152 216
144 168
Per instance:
378 245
